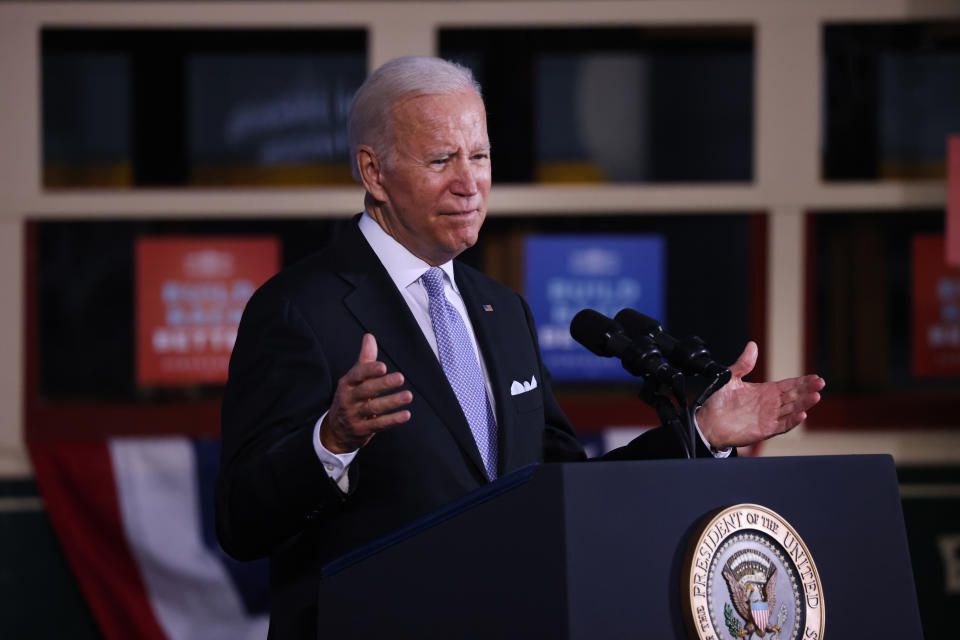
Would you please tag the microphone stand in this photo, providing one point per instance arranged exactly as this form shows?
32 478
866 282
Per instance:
656 395
673 407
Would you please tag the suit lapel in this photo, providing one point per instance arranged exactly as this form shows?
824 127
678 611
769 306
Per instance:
382 311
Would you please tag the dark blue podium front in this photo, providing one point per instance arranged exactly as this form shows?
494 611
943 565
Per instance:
595 550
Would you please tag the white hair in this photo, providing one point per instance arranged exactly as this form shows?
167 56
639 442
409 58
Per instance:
369 120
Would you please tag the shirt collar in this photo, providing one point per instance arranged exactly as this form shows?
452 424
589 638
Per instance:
402 266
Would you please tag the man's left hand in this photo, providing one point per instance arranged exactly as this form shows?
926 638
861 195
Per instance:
742 413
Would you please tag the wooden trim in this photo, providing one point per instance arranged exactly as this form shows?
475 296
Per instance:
809 293
594 411
758 274
904 410
100 420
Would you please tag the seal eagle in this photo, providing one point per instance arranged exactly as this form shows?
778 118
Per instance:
752 580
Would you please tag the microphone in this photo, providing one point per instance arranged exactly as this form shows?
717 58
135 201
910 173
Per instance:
639 356
690 355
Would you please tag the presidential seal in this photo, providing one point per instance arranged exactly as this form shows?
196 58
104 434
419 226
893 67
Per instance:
748 575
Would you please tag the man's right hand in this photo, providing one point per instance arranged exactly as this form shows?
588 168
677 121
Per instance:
359 409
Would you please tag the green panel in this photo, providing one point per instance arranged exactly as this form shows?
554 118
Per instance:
931 509
39 595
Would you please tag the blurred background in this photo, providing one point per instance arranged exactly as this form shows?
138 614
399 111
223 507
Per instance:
769 171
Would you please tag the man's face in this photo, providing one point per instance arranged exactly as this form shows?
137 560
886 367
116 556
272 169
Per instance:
436 185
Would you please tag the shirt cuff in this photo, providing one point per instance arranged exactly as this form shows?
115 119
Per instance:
716 453
335 464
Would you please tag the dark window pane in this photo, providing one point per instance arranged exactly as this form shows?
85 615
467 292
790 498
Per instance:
271 118
892 98
85 287
710 289
86 119
863 301
618 105
198 107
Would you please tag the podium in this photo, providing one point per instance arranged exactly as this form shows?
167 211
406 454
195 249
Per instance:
596 550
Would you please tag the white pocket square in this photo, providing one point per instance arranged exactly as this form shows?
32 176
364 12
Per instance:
522 387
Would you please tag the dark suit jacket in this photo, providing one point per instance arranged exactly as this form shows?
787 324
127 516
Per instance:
299 334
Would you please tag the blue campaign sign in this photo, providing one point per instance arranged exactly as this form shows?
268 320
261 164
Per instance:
567 273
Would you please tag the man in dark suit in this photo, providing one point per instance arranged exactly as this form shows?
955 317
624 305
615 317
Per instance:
324 449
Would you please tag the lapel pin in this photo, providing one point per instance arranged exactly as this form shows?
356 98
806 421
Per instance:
488 307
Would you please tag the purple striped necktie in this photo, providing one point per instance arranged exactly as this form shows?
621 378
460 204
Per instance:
459 362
